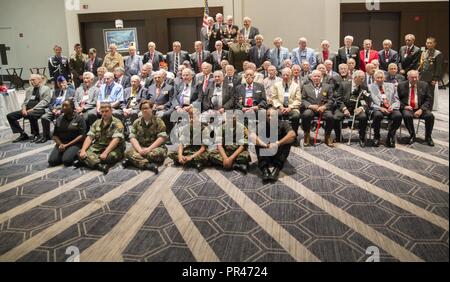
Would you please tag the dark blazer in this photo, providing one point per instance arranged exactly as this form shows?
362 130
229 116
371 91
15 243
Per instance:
97 63
141 94
165 95
251 35
411 61
214 59
253 55
342 55
259 96
184 56
126 81
393 57
228 100
235 81
424 96
178 92
70 94
157 58
206 57
344 93
395 79
325 96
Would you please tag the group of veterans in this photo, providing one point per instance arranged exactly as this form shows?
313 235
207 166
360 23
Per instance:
96 105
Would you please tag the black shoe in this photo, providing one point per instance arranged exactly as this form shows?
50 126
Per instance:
266 175
199 167
103 168
296 143
152 167
35 138
42 140
275 173
22 137
411 140
362 143
376 142
429 141
390 142
77 164
126 163
241 167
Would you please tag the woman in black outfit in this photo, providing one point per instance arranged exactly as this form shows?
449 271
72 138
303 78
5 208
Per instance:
69 133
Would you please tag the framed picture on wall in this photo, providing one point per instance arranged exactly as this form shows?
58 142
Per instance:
122 37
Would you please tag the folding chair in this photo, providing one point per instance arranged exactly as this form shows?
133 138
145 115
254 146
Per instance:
15 76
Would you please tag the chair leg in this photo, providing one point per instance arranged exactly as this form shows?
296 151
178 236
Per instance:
418 124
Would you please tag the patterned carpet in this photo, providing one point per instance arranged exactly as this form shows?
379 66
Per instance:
328 205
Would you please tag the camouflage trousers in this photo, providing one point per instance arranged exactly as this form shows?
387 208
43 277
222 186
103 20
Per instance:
157 155
93 156
216 159
188 151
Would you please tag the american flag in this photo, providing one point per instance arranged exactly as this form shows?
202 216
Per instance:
205 13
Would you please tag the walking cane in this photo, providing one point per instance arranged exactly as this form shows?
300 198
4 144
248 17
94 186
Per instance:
354 116
317 129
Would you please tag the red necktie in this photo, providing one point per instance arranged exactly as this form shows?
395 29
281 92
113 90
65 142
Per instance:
325 55
412 98
199 60
385 101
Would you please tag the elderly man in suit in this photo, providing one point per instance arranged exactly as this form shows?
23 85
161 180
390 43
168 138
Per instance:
346 106
269 81
37 99
132 97
230 32
303 53
230 76
176 57
278 54
259 53
86 99
317 99
93 62
393 76
133 62
287 99
348 51
161 94
121 78
112 93
186 93
325 54
218 56
250 96
219 96
385 103
199 57
203 80
430 68
415 102
409 55
367 55
387 56
249 31
153 57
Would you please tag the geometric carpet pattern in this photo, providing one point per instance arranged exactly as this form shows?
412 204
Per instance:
328 205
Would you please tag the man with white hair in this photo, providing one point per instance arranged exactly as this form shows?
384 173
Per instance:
133 62
219 22
113 59
112 93
204 79
230 31
186 93
161 94
37 99
209 35
199 57
176 57
387 56
145 75
218 56
249 31
153 57
259 53
325 54
250 96
219 96
278 54
409 55
132 96
348 51
86 99
269 81
393 76
303 53
367 55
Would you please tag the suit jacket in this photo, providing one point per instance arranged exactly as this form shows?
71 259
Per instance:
431 66
179 92
332 56
395 79
253 55
409 61
215 59
165 97
422 91
70 94
228 99
91 102
45 97
141 95
310 57
273 57
157 58
125 81
391 95
97 63
342 55
235 81
209 40
259 96
206 57
393 57
325 96
373 55
344 94
184 56
295 97
251 35
229 36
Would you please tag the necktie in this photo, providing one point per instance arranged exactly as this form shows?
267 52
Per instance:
325 55
412 98
249 100
348 52
151 57
383 96
158 91
205 84
279 56
286 96
370 80
176 64
199 55
183 93
219 57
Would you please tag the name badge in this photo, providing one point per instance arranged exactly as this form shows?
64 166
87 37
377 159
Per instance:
33 97
387 60
74 124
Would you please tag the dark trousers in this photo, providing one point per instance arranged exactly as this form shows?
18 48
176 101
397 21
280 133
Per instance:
308 115
277 160
409 124
293 117
67 157
46 119
33 117
362 123
396 120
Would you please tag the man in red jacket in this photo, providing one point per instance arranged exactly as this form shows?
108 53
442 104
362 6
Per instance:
367 55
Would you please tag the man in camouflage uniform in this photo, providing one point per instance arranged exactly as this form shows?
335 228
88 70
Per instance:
76 64
234 156
189 154
148 135
104 144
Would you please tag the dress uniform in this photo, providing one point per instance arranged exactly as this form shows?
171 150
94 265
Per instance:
103 135
146 135
76 65
238 54
58 66
430 69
